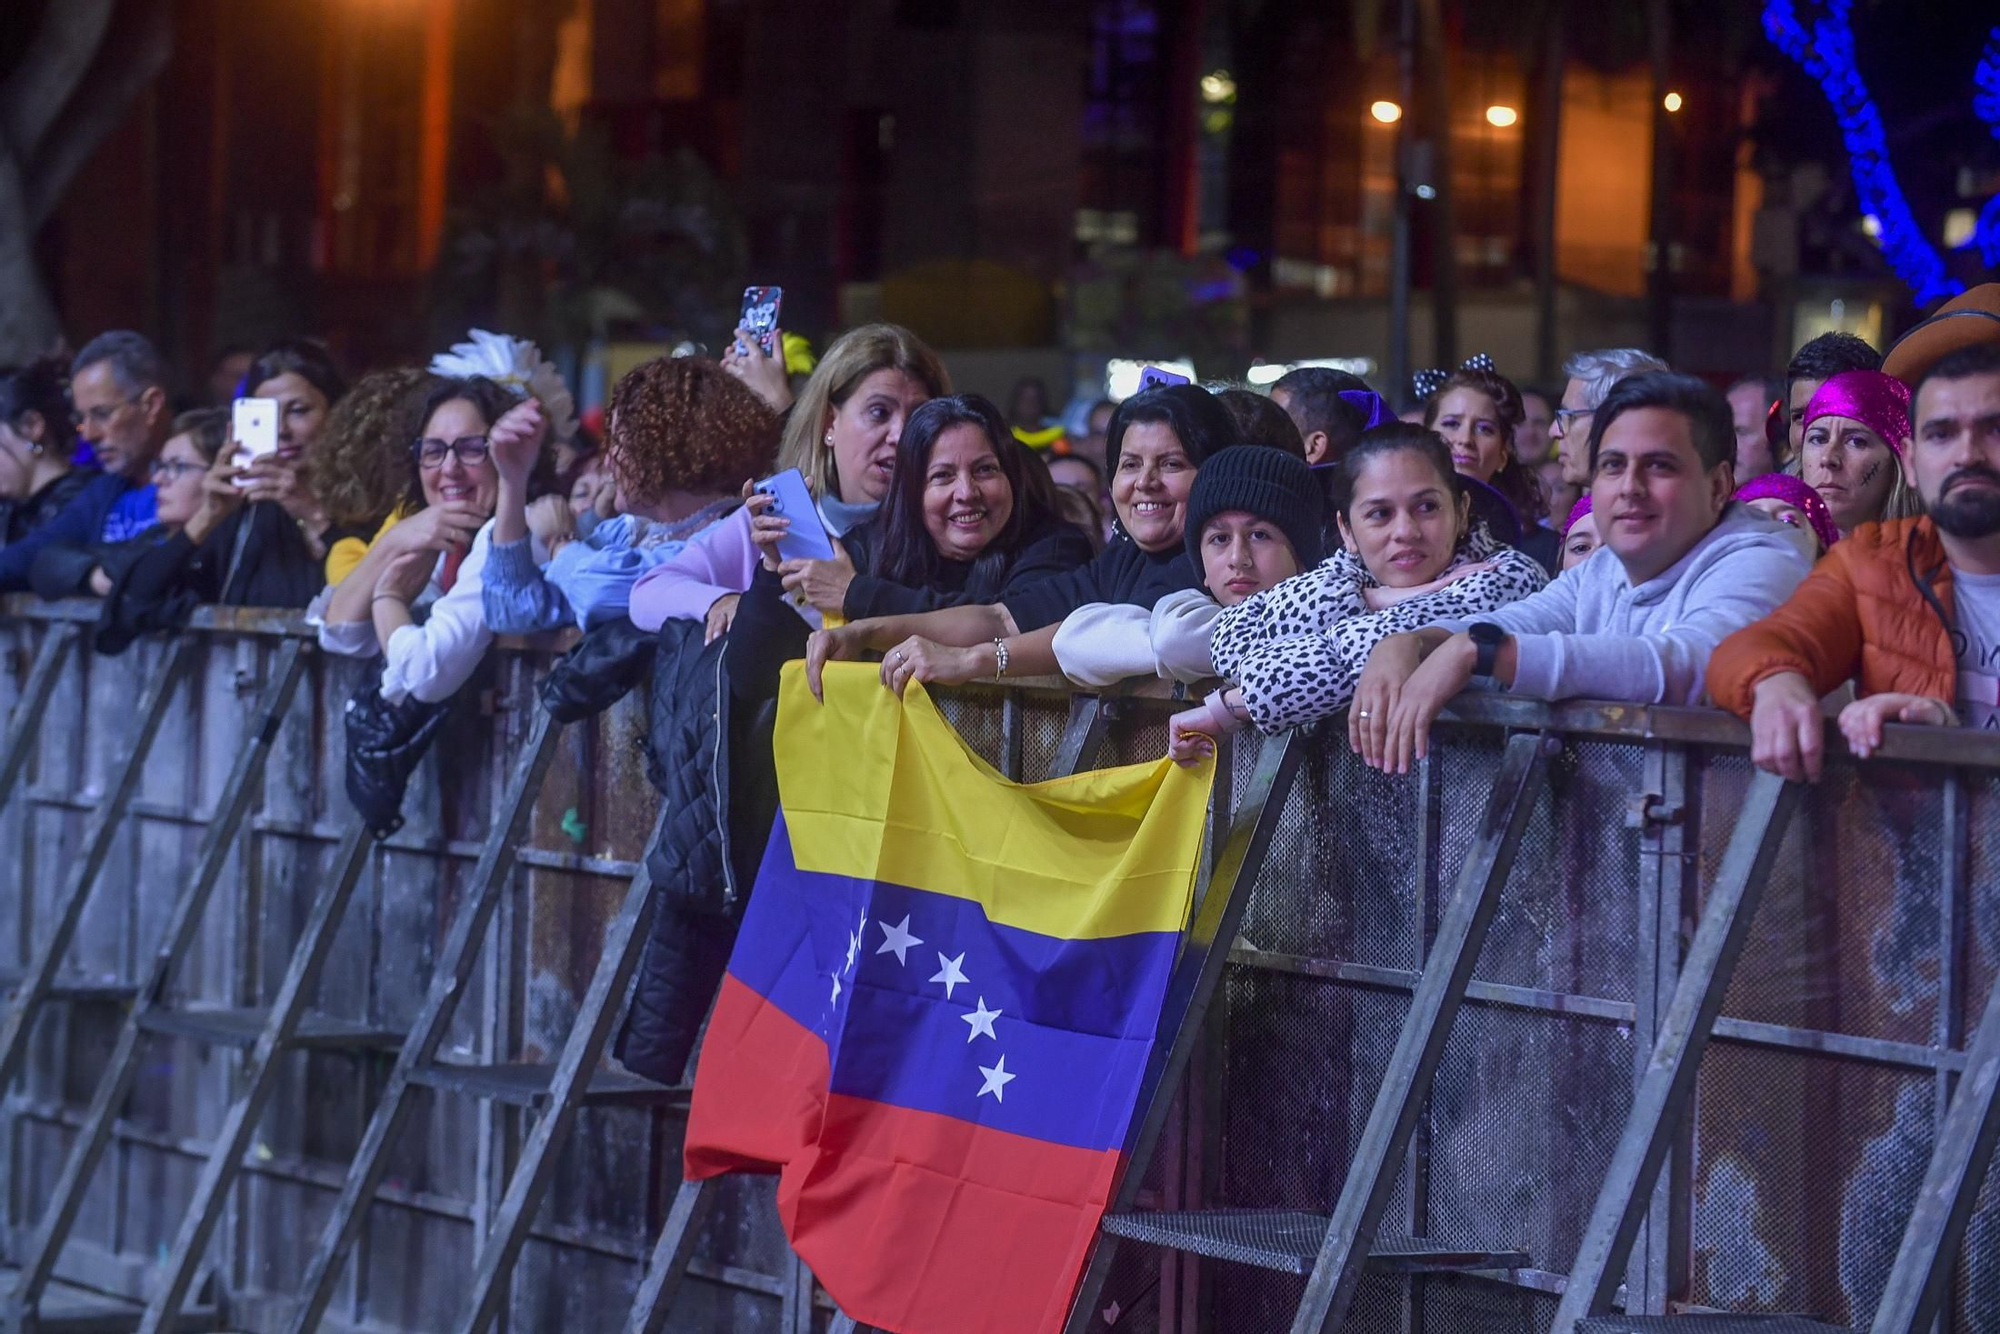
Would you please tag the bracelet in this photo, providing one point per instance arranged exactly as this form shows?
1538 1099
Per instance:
999 658
1218 709
397 598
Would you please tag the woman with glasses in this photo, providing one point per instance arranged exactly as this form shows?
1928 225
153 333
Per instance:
436 557
207 546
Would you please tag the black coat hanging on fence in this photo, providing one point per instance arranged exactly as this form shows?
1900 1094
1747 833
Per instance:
385 742
711 761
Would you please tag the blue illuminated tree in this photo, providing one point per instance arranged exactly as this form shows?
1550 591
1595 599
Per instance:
1821 39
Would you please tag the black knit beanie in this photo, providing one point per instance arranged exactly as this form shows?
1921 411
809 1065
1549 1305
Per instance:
1266 482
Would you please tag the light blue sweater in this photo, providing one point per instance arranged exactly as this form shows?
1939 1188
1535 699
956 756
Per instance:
1593 634
589 580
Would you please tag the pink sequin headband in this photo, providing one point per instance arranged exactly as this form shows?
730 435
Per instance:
1576 511
1879 402
1785 487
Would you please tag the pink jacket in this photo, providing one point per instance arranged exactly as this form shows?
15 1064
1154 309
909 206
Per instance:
714 565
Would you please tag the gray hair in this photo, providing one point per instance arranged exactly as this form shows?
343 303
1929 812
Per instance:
135 363
1606 367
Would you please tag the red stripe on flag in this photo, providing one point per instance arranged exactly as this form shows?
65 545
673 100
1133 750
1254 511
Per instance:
926 1224
760 1087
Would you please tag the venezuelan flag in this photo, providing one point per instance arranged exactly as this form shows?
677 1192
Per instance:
940 1007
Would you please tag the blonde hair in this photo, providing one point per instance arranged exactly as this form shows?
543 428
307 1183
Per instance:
854 356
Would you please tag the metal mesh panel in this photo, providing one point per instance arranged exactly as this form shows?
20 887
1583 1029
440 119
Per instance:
1566 918
1525 1112
1847 936
1804 1175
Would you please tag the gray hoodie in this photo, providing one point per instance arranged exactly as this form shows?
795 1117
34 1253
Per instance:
1592 634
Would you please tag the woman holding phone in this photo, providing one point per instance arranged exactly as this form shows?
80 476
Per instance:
300 378
841 436
971 516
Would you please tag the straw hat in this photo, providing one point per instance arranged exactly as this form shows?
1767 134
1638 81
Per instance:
1966 320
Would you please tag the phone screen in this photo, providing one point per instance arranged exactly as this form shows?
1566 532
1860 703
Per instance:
760 316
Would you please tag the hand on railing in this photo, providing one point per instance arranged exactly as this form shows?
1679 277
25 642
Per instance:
1192 733
1861 722
840 644
1787 733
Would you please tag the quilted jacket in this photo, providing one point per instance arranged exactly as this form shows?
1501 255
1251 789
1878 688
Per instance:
711 761
1876 609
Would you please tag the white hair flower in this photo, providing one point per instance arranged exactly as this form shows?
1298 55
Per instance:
518 364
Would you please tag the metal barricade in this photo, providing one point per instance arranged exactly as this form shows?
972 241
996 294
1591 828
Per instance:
1787 1187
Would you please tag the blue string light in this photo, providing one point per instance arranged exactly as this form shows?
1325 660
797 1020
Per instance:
1986 106
1825 50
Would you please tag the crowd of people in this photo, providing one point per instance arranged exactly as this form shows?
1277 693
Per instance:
1824 541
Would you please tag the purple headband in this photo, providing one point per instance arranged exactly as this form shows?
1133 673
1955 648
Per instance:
1370 404
1785 487
1576 511
1879 402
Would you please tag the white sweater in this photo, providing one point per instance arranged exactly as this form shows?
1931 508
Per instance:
1102 643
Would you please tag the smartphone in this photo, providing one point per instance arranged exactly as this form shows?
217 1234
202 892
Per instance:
254 422
760 317
807 539
1155 376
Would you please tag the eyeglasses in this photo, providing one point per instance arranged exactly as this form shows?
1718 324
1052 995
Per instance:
102 414
172 470
471 450
1564 416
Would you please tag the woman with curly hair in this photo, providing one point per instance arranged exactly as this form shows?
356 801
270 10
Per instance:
682 437
366 475
1476 412
842 435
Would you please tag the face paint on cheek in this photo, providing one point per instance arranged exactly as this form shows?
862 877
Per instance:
1874 471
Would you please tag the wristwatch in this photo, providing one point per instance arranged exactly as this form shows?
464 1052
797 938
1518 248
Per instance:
1487 638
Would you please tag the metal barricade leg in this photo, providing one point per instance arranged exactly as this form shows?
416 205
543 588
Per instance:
448 979
123 1067
35 986
24 725
623 942
1192 989
1919 1283
1667 1086
1420 1043
256 1083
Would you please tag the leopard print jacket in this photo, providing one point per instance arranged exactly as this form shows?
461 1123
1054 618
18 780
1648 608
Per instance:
1296 650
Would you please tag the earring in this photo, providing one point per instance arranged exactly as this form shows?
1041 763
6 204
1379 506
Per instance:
829 439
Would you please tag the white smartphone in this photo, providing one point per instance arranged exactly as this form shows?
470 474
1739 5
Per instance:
254 423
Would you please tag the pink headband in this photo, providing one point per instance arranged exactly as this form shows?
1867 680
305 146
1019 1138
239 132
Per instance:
1576 511
1785 487
1879 402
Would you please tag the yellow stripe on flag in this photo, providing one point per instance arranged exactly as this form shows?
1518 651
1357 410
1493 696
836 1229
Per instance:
883 789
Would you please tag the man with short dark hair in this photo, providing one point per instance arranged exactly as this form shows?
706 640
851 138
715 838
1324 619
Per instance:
1910 609
118 387
1328 423
1680 568
1818 361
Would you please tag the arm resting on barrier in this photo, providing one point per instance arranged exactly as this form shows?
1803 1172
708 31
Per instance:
1816 633
717 564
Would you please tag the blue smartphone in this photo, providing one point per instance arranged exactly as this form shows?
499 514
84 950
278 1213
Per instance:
807 539
1155 376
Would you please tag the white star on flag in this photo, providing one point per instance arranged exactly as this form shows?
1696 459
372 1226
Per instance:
836 990
949 972
899 939
996 1080
981 1021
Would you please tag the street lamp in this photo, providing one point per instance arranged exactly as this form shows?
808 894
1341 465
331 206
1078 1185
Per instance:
1501 117
1386 112
1672 101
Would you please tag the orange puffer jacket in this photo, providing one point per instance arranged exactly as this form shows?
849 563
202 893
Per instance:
1876 609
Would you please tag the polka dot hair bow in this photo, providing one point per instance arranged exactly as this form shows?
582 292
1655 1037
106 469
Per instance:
1426 382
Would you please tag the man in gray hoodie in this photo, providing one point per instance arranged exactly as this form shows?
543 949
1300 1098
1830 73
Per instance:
1680 568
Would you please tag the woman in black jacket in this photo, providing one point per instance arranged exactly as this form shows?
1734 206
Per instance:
970 517
37 440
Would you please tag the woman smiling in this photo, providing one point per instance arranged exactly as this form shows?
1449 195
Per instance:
1155 443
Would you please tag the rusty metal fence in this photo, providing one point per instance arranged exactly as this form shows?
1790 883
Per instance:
1816 1108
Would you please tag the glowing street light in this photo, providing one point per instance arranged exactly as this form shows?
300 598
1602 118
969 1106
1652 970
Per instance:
1672 101
1501 117
1386 112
